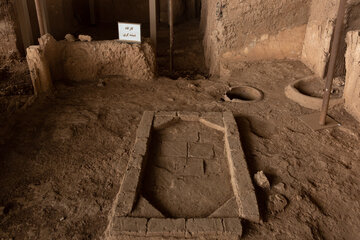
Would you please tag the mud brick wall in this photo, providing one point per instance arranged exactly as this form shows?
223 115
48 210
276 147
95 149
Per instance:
352 87
89 61
319 33
253 30
8 40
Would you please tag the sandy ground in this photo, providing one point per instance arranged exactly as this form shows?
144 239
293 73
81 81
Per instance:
62 158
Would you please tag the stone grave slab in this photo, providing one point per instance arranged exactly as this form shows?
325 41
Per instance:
187 178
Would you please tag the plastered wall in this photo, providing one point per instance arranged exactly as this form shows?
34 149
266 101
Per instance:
352 86
319 33
253 30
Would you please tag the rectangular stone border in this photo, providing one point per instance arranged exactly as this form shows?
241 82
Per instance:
132 177
122 225
178 228
240 178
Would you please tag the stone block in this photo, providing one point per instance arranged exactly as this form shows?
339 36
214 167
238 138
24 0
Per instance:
131 180
204 226
173 149
125 203
219 150
136 161
201 150
230 124
232 143
243 187
145 125
141 146
213 167
144 209
163 121
232 226
166 227
172 164
164 113
177 136
212 136
230 209
211 115
39 70
130 226
194 167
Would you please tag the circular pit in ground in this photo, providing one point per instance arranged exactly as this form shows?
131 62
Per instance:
244 94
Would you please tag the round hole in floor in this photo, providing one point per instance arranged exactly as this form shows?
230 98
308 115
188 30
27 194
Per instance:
244 94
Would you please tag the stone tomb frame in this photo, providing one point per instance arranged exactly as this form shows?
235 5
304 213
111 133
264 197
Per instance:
135 216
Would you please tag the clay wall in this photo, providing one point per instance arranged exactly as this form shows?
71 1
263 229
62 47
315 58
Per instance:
8 39
253 30
319 32
352 86
88 61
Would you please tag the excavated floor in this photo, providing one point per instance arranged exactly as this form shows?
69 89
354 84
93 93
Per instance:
186 165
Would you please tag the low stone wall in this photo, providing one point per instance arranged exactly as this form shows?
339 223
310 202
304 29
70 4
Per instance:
352 86
88 61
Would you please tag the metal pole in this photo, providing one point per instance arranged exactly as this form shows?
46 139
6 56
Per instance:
40 17
171 23
333 56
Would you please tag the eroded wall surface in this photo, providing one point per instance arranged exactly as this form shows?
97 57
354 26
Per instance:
8 40
253 30
319 33
352 86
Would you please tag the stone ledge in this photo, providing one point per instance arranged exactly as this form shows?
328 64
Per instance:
166 227
144 129
240 178
165 113
220 228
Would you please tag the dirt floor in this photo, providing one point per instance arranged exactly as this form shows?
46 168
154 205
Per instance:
62 158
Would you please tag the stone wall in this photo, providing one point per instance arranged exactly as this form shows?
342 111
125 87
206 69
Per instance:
253 30
352 86
8 39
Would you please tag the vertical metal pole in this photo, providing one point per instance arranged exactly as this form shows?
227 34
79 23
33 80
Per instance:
153 22
171 23
332 62
40 17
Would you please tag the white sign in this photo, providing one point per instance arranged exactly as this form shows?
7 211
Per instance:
130 32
